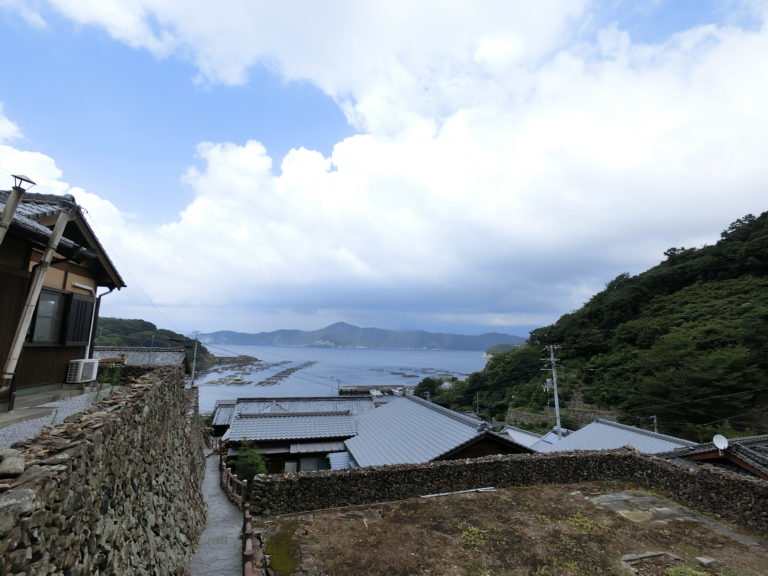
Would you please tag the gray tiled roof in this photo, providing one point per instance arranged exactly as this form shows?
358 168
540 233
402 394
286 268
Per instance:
524 437
607 435
23 219
327 446
311 425
36 207
410 430
139 356
223 412
340 460
752 450
351 404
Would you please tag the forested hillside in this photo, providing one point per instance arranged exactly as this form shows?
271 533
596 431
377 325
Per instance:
343 335
121 332
685 342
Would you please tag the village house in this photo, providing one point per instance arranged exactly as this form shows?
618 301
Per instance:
297 435
51 268
598 435
411 430
293 434
748 455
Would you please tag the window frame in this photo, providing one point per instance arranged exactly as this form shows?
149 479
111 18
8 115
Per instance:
68 325
42 335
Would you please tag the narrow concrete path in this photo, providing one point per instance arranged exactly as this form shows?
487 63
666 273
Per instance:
219 551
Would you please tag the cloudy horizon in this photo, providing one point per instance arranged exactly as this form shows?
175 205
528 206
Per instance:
456 167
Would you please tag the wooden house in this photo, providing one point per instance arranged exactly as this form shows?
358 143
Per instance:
52 268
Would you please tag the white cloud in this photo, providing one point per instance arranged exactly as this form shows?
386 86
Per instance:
134 22
8 130
384 62
508 165
40 168
23 9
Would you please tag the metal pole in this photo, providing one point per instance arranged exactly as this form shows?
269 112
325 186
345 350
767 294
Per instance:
194 360
554 387
149 354
10 207
29 308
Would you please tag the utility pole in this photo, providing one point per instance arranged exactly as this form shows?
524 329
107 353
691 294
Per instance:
655 423
194 359
151 348
553 366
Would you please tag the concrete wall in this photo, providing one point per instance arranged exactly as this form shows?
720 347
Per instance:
739 499
114 490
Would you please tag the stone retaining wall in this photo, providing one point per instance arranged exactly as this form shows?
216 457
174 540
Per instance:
520 417
116 489
738 499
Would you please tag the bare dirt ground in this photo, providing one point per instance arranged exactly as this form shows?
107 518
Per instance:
542 530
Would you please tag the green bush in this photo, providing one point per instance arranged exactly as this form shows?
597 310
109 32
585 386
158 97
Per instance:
249 462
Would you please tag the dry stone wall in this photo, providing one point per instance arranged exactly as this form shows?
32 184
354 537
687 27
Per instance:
738 499
116 489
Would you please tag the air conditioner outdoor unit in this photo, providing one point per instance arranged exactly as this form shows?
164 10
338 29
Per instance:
84 370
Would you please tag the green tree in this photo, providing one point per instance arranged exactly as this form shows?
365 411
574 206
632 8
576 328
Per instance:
429 387
140 333
683 343
249 462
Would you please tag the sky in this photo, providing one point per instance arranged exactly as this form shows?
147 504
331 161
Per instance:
465 166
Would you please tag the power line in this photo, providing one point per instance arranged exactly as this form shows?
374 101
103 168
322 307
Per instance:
138 285
760 409
652 406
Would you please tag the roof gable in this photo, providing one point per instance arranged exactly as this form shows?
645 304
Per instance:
522 437
411 430
607 435
36 212
749 453
226 411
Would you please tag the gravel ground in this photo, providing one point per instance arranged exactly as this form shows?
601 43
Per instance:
30 428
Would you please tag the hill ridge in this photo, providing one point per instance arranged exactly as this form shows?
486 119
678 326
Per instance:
344 335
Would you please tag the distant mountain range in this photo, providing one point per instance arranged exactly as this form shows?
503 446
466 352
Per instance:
343 335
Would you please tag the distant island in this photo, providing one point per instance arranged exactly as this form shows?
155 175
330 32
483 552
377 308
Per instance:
343 335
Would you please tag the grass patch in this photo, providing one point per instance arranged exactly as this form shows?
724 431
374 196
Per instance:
282 548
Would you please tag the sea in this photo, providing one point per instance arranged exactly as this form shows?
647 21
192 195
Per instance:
307 371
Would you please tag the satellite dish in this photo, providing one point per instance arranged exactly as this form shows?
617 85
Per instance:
720 442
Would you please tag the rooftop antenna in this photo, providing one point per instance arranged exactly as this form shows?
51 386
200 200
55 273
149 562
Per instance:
720 442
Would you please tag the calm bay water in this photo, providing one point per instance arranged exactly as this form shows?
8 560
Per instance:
333 367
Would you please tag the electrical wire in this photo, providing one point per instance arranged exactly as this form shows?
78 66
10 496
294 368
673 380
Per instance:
663 405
